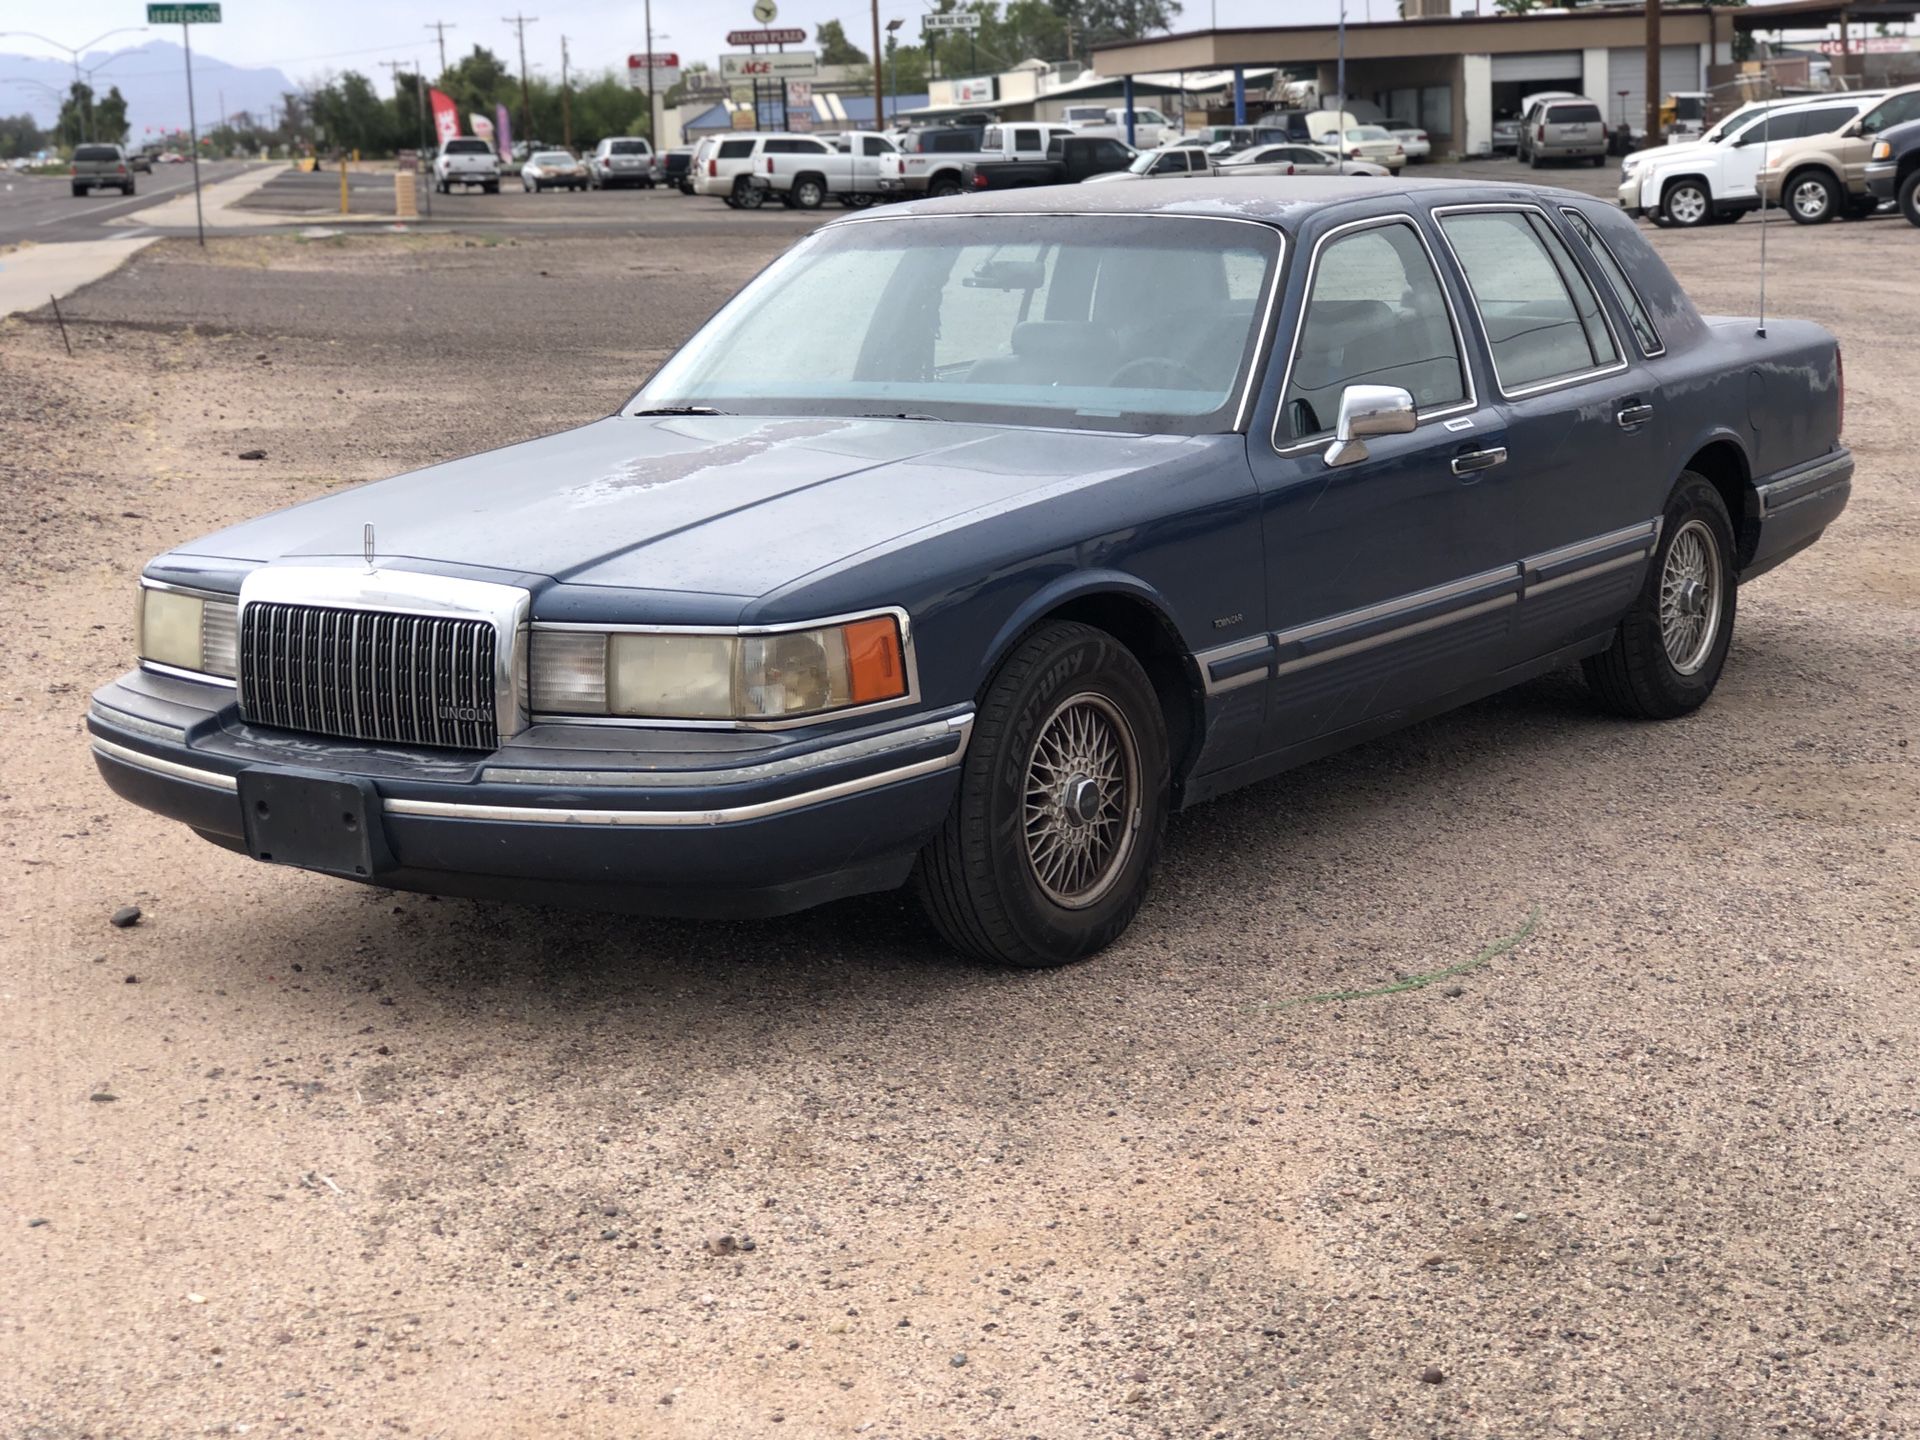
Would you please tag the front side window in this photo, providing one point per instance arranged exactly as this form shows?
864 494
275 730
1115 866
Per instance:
1617 281
1376 315
1096 322
1542 319
875 145
1897 110
1026 139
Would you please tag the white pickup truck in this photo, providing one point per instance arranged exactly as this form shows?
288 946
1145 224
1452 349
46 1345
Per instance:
933 161
1151 129
466 160
803 170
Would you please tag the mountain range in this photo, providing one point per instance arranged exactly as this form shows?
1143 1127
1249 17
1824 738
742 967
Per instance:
153 77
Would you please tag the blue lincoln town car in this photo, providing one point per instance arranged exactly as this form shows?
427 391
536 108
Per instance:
974 536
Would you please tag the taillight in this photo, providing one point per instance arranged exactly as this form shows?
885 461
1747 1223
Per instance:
713 167
979 181
1353 154
769 164
1840 372
121 169
73 169
1541 133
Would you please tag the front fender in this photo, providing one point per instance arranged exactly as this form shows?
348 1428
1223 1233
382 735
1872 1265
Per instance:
1065 589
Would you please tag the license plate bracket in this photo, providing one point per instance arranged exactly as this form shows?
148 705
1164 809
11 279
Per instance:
329 823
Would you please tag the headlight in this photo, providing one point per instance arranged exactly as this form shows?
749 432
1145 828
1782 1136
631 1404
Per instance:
188 631
694 675
1883 150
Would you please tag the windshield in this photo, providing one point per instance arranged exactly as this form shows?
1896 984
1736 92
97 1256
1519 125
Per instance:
1099 322
1144 161
552 157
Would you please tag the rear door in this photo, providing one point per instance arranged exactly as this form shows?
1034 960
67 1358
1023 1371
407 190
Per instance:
1585 421
1391 580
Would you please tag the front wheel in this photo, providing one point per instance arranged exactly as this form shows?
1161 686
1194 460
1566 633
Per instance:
1063 798
809 194
1667 654
1812 199
1909 201
1687 204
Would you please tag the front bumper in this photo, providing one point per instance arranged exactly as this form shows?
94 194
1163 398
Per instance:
681 822
1881 178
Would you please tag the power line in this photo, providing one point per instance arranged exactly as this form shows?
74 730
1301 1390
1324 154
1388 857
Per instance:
440 28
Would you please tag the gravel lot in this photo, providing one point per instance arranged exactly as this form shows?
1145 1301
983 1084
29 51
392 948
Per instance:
295 1157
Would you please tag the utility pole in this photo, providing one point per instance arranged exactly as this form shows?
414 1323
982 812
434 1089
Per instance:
566 99
1653 73
440 27
879 87
653 128
393 69
520 23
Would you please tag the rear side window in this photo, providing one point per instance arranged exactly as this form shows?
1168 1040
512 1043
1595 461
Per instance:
735 149
1376 315
1617 281
1542 319
1026 139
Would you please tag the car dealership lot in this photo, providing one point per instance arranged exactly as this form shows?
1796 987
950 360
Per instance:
373 1160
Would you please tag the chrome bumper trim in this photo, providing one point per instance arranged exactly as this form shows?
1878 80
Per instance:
572 815
1806 483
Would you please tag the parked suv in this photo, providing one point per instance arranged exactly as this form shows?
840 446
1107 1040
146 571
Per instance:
1825 175
622 160
1716 177
1893 168
1564 130
725 169
96 167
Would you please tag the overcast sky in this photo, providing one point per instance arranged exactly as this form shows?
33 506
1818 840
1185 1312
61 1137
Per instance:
308 38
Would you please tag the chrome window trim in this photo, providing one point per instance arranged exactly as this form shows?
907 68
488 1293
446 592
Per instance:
1249 388
909 656
1558 382
411 592
1573 214
1458 407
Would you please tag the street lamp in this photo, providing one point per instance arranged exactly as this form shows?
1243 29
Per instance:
73 54
893 70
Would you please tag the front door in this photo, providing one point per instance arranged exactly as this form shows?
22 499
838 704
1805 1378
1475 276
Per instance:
1390 581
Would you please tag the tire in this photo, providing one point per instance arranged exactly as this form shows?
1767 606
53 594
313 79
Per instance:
942 188
80 192
745 196
1909 201
1812 198
1533 161
808 193
979 879
1687 203
127 189
1656 671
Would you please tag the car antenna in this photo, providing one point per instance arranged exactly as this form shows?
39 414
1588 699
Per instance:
1766 146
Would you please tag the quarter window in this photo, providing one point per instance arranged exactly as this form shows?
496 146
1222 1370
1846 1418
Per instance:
1617 281
1376 315
1542 319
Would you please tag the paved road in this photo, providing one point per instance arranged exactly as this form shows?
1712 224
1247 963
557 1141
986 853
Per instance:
43 209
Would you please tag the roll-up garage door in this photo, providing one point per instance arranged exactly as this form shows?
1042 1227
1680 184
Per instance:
1562 65
1627 70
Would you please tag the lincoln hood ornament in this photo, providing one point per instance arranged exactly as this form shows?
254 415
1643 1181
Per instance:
366 546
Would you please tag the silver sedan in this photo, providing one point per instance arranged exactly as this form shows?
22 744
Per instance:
552 170
1293 160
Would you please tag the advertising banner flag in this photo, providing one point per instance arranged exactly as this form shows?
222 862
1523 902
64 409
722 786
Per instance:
503 130
483 127
446 116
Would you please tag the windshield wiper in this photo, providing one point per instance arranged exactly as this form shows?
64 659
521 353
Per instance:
681 410
897 415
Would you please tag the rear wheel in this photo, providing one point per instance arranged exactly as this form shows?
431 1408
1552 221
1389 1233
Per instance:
808 193
1812 199
1687 203
745 197
1909 201
1063 798
946 185
80 190
1668 652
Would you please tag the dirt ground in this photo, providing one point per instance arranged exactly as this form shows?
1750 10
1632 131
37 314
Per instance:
292 1157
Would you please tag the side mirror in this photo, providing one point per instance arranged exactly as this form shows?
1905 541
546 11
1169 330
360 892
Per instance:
1369 410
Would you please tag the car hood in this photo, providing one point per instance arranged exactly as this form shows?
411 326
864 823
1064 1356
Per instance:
716 505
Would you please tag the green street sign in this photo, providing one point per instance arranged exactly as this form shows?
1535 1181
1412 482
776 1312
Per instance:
202 14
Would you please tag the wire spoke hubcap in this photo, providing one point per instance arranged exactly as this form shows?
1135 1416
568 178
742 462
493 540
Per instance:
1690 597
1081 808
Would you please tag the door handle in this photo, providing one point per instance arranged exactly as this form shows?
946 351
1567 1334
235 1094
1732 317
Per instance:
1471 462
1636 413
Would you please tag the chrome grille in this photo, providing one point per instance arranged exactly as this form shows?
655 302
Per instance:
369 675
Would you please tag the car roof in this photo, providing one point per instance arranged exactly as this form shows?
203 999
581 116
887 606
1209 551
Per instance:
1283 201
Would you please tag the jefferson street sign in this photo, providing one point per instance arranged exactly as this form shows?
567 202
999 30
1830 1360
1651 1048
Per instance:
201 14
952 20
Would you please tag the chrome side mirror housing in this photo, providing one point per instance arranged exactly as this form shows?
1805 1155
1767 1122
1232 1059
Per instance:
1369 410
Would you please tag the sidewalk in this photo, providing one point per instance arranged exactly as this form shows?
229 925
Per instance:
33 273
218 201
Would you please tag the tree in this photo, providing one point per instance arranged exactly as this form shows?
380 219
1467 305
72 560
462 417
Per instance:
479 82
350 115
835 47
110 117
76 115
21 135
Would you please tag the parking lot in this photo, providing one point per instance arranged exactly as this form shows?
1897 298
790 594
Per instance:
296 1157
